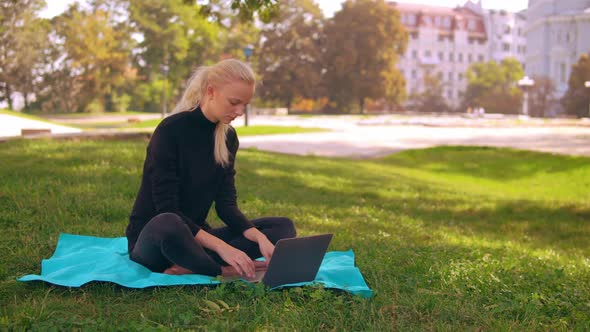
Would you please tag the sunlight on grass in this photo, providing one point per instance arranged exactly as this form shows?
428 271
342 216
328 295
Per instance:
450 238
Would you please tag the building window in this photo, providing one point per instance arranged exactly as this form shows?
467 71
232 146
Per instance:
411 19
562 69
450 76
506 47
460 76
507 29
450 94
460 57
414 35
471 25
414 74
480 58
447 22
440 56
439 75
437 21
469 58
414 54
427 53
451 57
519 31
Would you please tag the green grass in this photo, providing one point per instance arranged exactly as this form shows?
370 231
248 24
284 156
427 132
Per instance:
453 238
85 115
242 131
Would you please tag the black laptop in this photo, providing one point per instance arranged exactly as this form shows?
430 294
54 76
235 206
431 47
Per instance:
294 260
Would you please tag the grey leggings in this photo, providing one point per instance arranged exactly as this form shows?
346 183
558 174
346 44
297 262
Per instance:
166 240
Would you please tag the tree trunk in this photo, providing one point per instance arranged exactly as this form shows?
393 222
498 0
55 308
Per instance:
8 94
362 105
26 98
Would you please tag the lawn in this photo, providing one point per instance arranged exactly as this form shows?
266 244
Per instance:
451 238
243 131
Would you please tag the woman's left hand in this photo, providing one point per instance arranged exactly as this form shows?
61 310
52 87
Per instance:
266 248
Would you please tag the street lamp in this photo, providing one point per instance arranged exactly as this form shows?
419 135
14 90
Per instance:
248 49
164 68
526 83
587 85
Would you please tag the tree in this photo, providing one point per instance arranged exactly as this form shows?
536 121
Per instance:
290 59
541 96
176 37
493 86
363 43
431 98
577 96
21 38
266 9
97 50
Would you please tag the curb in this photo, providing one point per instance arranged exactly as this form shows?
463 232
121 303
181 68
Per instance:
83 136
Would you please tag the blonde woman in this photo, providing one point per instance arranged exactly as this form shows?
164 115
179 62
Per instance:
189 165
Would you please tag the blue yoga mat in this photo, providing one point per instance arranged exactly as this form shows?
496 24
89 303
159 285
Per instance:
81 259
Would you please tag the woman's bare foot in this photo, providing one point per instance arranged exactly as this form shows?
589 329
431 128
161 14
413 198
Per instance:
177 270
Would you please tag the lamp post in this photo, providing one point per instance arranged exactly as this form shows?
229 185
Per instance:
526 83
165 68
587 85
248 49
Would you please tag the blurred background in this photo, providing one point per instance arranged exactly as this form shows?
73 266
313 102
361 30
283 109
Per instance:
327 56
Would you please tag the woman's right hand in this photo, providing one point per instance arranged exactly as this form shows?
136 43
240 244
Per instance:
238 260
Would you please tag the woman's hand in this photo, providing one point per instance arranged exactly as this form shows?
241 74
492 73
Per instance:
238 260
266 247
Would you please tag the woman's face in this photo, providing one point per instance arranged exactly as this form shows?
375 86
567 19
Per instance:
228 101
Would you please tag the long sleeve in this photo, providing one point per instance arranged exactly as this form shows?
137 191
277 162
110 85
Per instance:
164 175
226 204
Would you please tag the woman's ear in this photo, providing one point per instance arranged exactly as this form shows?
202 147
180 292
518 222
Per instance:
210 91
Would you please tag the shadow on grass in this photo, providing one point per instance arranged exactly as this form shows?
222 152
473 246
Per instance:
94 184
389 218
486 162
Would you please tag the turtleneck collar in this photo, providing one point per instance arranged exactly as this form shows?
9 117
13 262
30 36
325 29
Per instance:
201 119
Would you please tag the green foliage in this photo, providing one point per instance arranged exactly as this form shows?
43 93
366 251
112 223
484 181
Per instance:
493 86
577 97
96 48
431 98
290 60
541 96
245 9
363 43
450 238
176 38
23 38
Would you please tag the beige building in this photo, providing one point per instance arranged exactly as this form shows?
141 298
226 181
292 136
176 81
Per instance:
557 33
445 41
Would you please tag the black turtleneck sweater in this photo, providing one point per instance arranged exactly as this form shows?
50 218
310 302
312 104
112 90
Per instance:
180 176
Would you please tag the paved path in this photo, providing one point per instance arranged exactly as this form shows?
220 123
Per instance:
12 125
359 137
374 141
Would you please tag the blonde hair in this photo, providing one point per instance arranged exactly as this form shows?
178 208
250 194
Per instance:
221 73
